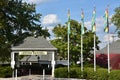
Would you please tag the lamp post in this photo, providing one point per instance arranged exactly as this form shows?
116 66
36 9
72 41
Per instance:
38 59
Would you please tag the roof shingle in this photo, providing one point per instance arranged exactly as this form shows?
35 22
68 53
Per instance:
32 43
114 48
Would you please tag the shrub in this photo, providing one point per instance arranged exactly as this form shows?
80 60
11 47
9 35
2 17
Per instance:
101 74
75 72
61 72
5 71
114 75
89 73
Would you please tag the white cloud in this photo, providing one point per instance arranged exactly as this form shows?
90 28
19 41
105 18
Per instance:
50 28
99 24
105 38
88 24
50 20
36 1
110 37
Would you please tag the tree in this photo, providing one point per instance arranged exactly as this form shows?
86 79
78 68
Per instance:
116 18
17 21
3 3
60 41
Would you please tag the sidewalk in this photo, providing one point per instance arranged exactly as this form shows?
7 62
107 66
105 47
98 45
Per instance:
31 77
38 77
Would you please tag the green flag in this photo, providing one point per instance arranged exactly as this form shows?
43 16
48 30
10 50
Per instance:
82 24
106 21
68 21
93 21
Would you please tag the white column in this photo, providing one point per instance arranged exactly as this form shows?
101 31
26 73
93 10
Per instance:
43 74
12 62
15 74
53 63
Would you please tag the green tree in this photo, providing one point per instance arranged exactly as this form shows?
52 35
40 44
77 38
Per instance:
3 3
17 21
116 18
60 41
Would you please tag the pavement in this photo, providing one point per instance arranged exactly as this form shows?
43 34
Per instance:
38 77
29 77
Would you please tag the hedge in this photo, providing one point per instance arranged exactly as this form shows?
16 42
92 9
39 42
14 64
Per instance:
76 73
114 75
88 73
61 72
101 74
5 71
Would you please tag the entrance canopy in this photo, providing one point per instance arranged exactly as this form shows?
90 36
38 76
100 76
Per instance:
34 44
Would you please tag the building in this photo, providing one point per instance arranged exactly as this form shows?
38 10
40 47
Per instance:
35 50
114 49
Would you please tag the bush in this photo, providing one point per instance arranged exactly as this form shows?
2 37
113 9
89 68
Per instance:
101 74
5 71
61 72
75 72
114 75
90 74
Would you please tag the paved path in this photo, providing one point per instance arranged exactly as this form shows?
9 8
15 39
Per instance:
38 77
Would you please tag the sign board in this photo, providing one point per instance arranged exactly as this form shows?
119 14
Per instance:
33 53
12 64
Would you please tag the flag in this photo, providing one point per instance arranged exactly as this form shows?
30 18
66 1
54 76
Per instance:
82 24
68 21
106 21
93 21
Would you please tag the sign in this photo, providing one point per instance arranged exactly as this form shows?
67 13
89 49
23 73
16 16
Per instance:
33 53
12 64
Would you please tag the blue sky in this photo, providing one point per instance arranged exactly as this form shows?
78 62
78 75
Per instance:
55 11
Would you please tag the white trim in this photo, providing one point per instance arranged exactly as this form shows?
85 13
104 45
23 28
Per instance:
53 63
33 49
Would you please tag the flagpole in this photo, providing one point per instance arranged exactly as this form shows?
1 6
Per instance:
106 29
81 52
94 53
68 53
82 32
94 30
108 55
68 39
108 40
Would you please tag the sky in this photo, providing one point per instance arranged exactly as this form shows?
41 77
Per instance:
55 11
